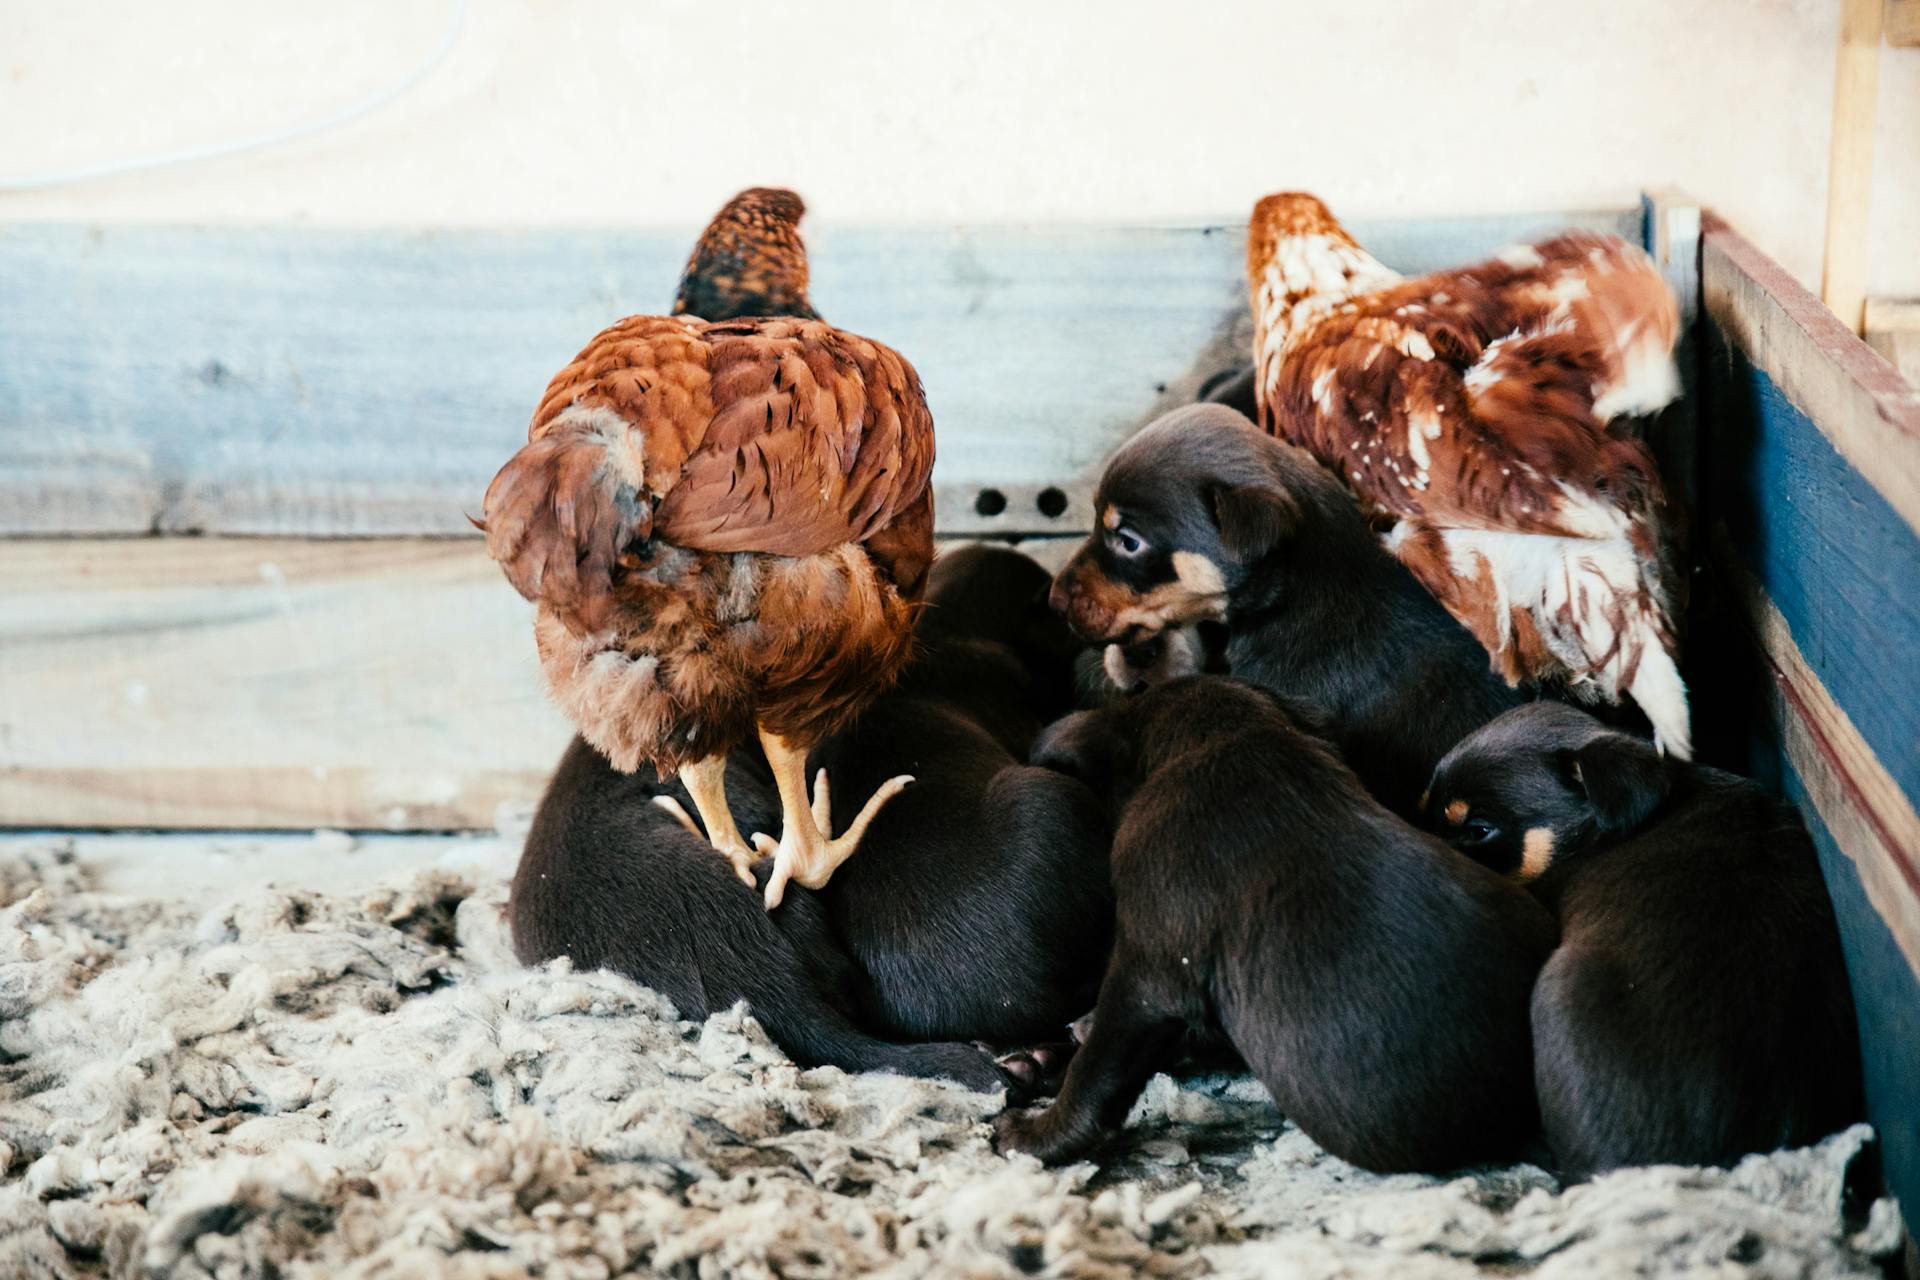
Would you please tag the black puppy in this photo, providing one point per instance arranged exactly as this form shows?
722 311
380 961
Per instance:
1202 516
1697 1008
615 882
1372 978
982 915
978 905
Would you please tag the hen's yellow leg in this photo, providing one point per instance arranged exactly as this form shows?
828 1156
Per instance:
804 854
706 781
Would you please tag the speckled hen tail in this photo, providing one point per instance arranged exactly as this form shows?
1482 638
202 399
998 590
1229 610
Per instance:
563 511
1586 609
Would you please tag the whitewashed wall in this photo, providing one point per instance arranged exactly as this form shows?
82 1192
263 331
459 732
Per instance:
616 112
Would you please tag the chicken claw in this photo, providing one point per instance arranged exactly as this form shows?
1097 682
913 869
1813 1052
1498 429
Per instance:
804 853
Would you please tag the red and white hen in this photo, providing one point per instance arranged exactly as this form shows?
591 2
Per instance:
1471 408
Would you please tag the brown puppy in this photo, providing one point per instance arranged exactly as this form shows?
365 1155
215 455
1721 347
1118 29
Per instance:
1374 980
1203 517
1697 1008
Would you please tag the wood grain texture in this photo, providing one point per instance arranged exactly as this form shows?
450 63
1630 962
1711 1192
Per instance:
271 683
1673 238
265 683
1903 23
1825 546
1893 329
339 383
1806 623
1871 821
1856 95
1856 399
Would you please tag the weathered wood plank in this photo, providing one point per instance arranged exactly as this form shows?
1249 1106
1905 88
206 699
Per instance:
1893 329
1870 820
361 383
269 683
1806 621
1856 96
260 683
1903 23
1673 240
1858 401
1833 555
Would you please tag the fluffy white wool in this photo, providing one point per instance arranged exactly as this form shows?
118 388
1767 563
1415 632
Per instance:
329 1086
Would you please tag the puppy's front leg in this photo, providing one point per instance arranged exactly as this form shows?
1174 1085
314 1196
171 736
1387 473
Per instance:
1136 1027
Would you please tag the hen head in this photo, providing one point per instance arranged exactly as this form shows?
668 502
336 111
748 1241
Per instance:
750 261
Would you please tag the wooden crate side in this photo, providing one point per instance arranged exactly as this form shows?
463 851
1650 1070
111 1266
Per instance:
271 683
1807 622
341 383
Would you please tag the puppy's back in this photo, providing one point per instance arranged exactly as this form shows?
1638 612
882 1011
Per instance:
1697 1008
1375 980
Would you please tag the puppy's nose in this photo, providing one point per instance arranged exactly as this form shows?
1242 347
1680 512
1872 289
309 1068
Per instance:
1059 598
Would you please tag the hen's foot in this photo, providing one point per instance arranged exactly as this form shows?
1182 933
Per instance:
736 852
804 854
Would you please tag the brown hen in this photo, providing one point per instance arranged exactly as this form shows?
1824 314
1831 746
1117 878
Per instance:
1471 408
726 528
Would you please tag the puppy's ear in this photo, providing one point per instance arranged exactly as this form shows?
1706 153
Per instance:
1084 745
1624 780
1252 518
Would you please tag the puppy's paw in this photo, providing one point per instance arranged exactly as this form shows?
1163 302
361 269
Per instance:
1081 1027
966 1064
1018 1130
1039 1068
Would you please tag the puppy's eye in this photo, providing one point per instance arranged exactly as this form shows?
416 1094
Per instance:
1477 831
1126 541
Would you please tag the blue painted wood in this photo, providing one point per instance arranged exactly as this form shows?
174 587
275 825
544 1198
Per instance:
1843 569
1886 997
1840 564
340 382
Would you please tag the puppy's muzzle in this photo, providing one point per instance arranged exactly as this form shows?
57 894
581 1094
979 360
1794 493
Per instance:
1081 593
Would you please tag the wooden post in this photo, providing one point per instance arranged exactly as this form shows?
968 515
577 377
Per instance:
1856 85
1903 26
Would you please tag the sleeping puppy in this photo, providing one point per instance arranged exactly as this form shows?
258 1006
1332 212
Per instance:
981 914
978 904
1373 979
1201 516
616 882
1697 1008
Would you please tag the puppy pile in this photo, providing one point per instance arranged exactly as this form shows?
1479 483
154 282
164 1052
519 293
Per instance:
1340 824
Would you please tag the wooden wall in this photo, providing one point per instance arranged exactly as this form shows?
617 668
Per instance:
1805 649
306 417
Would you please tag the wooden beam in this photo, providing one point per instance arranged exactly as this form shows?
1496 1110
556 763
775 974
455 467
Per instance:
1903 23
1856 86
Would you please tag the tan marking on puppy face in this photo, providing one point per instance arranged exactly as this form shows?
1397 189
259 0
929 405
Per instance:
1171 604
1103 610
1455 812
1199 575
1536 853
1110 518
